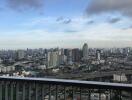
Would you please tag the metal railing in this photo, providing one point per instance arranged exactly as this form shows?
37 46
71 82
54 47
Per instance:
17 88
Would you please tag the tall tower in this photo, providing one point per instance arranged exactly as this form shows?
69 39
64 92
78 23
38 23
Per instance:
52 58
98 54
85 51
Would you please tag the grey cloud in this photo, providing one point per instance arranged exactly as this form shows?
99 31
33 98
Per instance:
105 6
23 5
67 21
130 27
71 31
114 20
64 20
59 19
90 22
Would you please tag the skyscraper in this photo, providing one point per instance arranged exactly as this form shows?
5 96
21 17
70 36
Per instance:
85 51
98 54
76 55
20 54
52 59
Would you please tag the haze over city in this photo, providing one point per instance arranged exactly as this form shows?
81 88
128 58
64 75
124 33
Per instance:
65 23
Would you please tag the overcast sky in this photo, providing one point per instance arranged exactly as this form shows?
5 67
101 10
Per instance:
65 23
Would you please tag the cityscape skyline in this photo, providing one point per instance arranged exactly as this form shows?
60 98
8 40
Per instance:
48 23
65 50
65 47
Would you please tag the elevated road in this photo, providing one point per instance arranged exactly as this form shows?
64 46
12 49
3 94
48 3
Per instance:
93 75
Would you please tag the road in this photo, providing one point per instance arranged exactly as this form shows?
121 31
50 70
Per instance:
93 75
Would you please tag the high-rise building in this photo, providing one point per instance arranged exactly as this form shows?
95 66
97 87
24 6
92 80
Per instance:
62 59
85 51
98 54
20 54
66 52
52 58
68 56
76 55
55 58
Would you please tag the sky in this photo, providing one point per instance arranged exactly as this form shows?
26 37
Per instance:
65 23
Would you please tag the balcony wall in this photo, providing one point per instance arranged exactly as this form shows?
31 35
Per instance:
16 88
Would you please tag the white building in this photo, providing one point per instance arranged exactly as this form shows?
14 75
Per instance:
3 69
119 77
42 67
53 59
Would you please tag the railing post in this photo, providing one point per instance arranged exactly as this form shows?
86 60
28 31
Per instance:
0 90
64 93
12 90
17 91
29 90
99 94
130 95
6 90
80 93
56 92
110 91
42 92
36 91
120 95
72 92
89 94
107 94
49 91
23 92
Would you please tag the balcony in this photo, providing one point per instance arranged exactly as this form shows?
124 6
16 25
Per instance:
17 88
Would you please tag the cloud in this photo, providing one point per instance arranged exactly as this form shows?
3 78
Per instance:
130 27
127 28
90 22
114 20
105 35
22 5
59 19
107 6
71 31
64 20
67 21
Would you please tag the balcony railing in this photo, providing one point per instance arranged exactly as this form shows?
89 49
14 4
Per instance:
17 88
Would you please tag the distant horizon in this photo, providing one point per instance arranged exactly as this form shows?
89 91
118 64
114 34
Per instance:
59 47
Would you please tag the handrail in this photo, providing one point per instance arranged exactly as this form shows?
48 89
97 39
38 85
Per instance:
87 84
